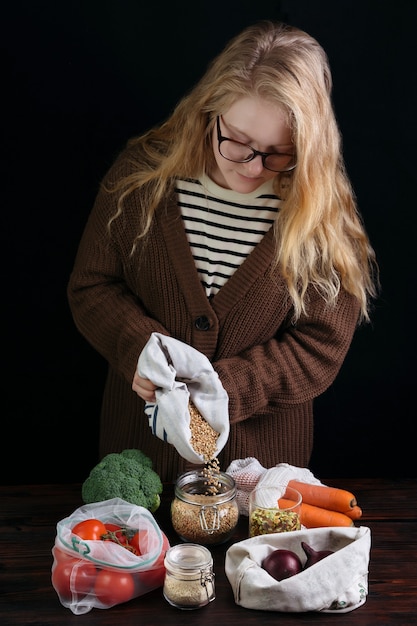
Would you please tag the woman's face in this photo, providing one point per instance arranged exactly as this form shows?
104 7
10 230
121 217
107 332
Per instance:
262 126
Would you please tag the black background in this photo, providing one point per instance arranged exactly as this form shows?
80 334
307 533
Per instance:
79 79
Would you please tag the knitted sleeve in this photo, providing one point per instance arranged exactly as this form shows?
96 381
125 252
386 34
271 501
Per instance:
293 367
104 307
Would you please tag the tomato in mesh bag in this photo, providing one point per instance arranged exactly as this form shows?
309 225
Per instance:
104 569
72 575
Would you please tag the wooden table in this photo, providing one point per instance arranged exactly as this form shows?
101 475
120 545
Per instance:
28 518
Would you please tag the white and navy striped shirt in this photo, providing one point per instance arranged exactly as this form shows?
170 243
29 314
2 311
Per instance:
223 226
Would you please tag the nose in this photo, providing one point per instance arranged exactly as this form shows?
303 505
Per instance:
256 165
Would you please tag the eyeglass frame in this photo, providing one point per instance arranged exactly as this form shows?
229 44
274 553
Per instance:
221 139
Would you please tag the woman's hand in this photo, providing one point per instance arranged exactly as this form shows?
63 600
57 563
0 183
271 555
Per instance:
144 388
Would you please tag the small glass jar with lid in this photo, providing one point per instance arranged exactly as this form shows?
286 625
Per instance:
205 509
189 577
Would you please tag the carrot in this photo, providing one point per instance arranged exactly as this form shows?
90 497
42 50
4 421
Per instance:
316 517
354 513
325 497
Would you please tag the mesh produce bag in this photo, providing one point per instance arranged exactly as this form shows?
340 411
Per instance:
101 574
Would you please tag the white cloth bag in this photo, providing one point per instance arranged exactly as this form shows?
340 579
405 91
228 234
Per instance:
338 583
248 473
181 372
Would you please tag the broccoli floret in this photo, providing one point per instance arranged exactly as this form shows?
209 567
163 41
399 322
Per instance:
138 456
127 475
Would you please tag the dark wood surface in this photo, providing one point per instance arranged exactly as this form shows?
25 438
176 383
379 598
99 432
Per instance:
28 518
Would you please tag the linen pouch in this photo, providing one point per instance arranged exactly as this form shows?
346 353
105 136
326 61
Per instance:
338 583
248 473
182 373
89 574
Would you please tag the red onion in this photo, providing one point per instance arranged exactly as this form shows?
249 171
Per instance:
313 556
282 564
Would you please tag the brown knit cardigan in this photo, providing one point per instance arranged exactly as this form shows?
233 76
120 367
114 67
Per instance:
271 368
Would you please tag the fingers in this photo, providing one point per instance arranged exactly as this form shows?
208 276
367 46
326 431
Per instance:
144 388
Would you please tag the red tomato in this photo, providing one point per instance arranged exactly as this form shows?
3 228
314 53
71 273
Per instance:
151 579
89 529
165 547
154 578
140 540
60 555
65 582
114 587
114 528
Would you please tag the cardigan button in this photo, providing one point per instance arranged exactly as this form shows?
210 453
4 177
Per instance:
202 323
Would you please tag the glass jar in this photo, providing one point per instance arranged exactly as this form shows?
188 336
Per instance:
189 577
274 509
205 509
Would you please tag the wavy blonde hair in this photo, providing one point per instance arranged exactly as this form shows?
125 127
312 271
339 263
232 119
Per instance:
320 238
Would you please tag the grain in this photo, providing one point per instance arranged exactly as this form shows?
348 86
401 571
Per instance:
189 577
188 593
204 441
216 524
203 436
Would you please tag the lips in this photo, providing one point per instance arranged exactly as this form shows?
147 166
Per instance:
251 179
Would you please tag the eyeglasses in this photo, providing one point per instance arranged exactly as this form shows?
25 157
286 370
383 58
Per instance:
243 153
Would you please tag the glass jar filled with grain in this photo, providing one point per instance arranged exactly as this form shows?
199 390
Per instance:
189 577
205 509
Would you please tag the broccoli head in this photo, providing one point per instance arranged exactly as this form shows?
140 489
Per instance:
127 475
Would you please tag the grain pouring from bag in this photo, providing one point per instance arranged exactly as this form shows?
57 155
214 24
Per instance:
204 509
204 442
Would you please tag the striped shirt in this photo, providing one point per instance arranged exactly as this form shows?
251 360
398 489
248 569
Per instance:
223 226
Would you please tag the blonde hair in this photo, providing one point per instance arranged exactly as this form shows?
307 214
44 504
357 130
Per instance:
320 238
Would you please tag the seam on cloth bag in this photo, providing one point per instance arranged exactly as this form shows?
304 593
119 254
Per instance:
247 564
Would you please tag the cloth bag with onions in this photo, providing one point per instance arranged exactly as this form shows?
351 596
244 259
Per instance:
336 584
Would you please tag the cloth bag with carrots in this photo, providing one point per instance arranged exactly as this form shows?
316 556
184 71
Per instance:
321 505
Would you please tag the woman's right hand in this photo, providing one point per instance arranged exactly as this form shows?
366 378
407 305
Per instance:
144 388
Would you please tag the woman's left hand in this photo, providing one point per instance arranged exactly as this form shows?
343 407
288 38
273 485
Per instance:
144 388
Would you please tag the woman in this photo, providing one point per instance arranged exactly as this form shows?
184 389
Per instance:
233 228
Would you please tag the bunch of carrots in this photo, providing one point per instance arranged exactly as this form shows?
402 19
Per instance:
324 506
